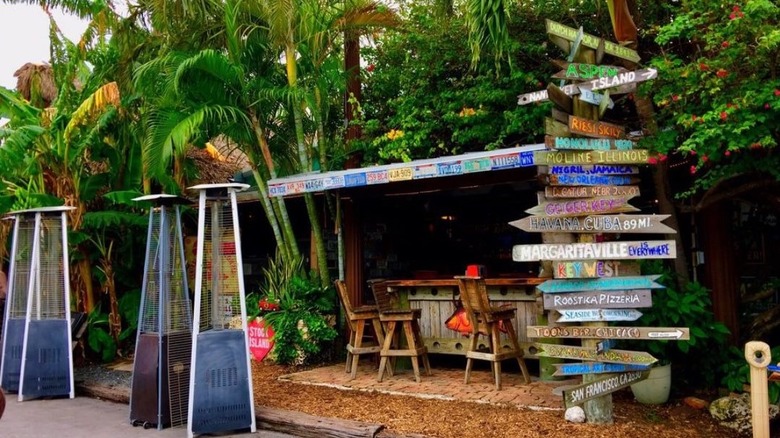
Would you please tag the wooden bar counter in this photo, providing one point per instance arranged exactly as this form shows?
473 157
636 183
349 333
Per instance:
437 299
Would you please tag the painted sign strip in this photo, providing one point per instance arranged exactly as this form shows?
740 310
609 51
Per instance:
595 269
611 332
589 180
590 191
640 249
400 174
582 207
594 315
576 71
579 143
596 98
592 169
541 95
574 369
604 345
575 352
629 77
594 128
608 384
600 284
624 299
621 223
632 156
570 33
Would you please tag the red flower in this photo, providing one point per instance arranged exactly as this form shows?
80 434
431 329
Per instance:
724 44
693 170
693 117
370 68
732 16
755 146
703 66
777 92
652 160
722 73
735 8
724 115
727 153
705 158
766 106
693 153
675 98
663 157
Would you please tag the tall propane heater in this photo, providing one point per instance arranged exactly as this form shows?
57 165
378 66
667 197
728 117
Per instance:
37 356
161 367
221 396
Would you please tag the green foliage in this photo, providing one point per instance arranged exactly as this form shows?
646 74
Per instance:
301 324
736 373
98 337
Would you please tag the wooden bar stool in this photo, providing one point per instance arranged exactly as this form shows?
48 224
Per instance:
357 317
488 321
410 327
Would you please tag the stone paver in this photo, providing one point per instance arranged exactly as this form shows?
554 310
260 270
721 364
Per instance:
443 384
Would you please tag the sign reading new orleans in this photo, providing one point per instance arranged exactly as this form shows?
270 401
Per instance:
642 249
590 191
590 144
582 207
595 269
574 369
570 34
606 385
601 284
631 156
589 180
595 315
624 299
593 128
611 356
610 332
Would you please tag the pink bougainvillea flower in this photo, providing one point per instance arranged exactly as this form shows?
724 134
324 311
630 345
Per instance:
370 68
724 44
662 157
675 98
777 92
693 153
722 73
724 115
703 66
652 160
735 8
727 153
766 106
693 170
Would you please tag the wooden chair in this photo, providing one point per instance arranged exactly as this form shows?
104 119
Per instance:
488 321
412 344
357 317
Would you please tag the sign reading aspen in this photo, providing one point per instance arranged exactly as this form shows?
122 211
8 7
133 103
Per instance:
592 128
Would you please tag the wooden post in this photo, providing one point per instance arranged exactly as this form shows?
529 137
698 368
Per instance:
758 357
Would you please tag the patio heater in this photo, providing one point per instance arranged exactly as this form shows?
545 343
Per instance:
161 366
221 397
37 356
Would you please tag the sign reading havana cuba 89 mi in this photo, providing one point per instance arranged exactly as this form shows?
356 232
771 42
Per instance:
642 249
632 156
620 223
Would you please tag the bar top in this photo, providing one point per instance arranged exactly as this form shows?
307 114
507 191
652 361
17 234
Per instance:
440 282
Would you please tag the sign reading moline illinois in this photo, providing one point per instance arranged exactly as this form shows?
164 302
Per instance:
582 207
642 249
570 33
606 385
610 332
593 128
632 156
590 144
623 299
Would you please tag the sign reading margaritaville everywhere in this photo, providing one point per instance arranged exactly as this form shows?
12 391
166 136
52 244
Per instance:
642 249
613 299
606 385
593 128
590 191
608 332
611 356
581 207
602 284
570 33
621 223
577 143
595 269
632 156
574 369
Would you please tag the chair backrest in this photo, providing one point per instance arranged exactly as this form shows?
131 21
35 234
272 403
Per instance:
474 296
384 301
341 288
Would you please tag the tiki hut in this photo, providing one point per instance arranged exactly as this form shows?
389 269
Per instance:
35 82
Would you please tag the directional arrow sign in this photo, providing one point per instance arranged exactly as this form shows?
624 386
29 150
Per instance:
584 353
588 180
582 207
633 156
596 98
607 332
577 143
629 77
590 191
601 284
640 249
604 345
593 315
583 72
570 33
620 223
613 299
570 90
593 128
595 269
573 369
592 169
608 384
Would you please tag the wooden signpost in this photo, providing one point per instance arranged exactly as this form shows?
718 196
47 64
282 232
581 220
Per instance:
571 90
594 269
631 156
610 332
582 207
600 284
580 353
621 223
592 169
590 191
593 128
601 386
589 180
624 299
576 71
596 315
570 33
574 369
576 143
629 77
596 98
555 128
629 250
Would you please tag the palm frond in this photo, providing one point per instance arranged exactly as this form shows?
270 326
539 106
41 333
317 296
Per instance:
93 106
212 63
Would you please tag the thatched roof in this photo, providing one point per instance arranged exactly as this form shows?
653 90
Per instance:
35 82
212 166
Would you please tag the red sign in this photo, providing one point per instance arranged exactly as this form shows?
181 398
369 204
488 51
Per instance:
261 339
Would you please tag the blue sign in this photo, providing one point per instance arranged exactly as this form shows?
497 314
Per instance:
600 284
573 369
355 180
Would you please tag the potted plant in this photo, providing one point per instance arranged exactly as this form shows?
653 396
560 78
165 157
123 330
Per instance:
689 308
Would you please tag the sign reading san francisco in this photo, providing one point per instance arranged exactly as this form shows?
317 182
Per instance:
620 223
642 249
606 385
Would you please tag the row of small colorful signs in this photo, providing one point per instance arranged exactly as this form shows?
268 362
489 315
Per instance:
385 174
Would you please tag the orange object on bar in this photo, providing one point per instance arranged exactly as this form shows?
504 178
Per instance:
475 270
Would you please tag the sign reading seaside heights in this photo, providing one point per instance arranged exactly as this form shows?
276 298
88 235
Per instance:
643 249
